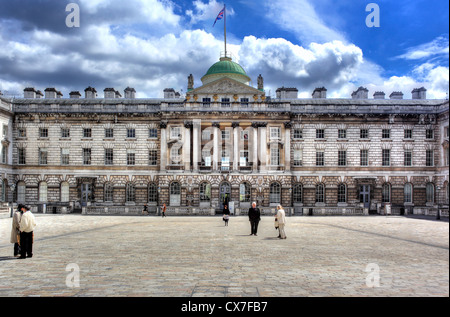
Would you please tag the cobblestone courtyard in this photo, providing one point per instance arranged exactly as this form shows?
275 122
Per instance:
200 257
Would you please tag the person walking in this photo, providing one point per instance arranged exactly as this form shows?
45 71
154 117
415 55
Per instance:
26 226
163 210
281 217
15 230
254 215
226 215
145 210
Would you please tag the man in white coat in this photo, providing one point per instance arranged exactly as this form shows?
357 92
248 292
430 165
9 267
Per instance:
26 227
281 217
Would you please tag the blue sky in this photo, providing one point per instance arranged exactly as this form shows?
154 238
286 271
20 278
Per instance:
155 44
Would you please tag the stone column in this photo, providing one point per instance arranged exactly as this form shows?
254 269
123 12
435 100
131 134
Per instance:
287 146
255 126
196 155
163 152
216 156
187 146
235 126
263 146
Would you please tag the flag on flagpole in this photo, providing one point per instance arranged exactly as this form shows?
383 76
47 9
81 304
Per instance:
219 16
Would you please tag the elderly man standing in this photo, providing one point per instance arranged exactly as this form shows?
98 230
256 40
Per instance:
26 227
254 216
281 217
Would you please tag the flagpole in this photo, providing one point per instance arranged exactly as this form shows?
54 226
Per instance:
225 27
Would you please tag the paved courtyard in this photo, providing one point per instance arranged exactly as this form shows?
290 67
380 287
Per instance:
76 255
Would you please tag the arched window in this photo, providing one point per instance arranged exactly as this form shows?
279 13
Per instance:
408 193
21 191
342 193
386 193
64 192
175 194
152 193
108 192
430 193
205 192
297 193
275 193
3 190
43 191
130 193
320 193
244 192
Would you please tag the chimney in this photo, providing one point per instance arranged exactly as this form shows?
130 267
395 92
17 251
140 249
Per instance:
75 95
117 94
50 93
110 93
130 93
29 92
39 94
59 95
287 93
396 95
419 93
361 93
169 93
90 93
378 95
319 93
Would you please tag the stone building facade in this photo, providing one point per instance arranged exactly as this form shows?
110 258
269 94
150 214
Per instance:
225 142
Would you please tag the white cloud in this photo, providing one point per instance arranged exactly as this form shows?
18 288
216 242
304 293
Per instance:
207 11
439 46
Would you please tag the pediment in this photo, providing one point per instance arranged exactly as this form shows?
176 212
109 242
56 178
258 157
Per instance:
225 86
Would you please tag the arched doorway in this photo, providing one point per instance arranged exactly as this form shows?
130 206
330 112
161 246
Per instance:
224 195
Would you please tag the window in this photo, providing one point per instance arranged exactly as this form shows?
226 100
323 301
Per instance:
43 132
320 158
408 134
364 133
131 157
342 158
109 133
109 156
225 134
152 133
226 103
408 193
386 193
430 193
243 158
131 133
298 157
175 133
429 134
408 158
42 191
275 133
275 156
244 135
320 193
386 157
206 102
152 193
175 155
244 102
244 192
152 157
320 133
65 156
65 133
4 154
21 132
108 192
386 134
86 156
364 157
275 193
297 193
87 133
22 156
429 158
21 191
342 193
298 134
175 194
43 155
205 192
130 193
206 134
342 134
64 192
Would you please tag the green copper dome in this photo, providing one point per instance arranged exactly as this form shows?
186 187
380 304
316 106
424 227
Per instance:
225 68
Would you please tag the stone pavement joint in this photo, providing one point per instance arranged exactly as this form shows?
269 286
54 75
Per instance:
200 257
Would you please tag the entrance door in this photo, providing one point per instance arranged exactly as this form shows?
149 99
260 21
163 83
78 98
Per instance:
86 193
225 194
364 195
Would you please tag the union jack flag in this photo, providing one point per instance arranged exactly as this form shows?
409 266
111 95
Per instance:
219 16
